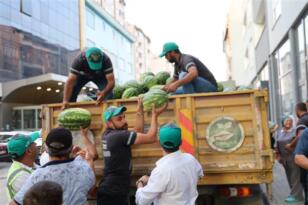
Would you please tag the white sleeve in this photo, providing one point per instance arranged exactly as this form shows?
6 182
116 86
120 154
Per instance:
157 184
199 169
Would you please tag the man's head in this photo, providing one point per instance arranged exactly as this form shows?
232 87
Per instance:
300 109
170 137
59 142
170 51
115 118
22 147
94 58
44 193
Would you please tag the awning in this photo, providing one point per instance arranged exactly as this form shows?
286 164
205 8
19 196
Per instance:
42 89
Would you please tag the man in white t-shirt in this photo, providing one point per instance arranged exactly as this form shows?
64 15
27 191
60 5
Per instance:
175 177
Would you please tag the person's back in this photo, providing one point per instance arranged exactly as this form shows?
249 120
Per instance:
44 193
175 177
182 175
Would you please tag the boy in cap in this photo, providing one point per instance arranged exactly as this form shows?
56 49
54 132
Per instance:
90 65
44 193
190 74
175 177
117 141
75 175
23 151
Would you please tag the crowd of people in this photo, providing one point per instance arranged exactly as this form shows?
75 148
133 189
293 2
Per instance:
291 148
68 176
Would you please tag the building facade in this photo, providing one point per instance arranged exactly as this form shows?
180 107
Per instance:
38 42
280 52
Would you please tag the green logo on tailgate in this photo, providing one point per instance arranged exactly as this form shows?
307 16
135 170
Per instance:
224 134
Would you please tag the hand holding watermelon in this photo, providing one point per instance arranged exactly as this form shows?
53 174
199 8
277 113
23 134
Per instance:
159 110
170 87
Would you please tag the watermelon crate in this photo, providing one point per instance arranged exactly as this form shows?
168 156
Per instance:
227 132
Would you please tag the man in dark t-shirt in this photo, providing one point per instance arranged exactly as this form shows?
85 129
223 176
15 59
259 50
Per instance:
116 143
90 65
301 159
190 74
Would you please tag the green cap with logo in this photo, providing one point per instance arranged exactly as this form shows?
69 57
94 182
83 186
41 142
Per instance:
19 143
170 136
94 58
170 46
112 111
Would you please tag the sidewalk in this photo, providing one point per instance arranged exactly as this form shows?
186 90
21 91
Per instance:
280 187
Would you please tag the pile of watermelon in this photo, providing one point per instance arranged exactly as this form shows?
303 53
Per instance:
146 82
74 118
149 87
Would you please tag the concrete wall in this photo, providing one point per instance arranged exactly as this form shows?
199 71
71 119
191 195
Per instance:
290 10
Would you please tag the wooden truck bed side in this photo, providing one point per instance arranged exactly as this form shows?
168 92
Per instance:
250 163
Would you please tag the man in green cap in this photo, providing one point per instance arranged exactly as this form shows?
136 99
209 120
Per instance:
190 74
175 177
117 141
90 65
23 151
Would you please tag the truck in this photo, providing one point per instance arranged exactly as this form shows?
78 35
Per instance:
226 131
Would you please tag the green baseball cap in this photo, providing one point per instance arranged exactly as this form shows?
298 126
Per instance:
112 111
170 136
170 46
19 143
94 58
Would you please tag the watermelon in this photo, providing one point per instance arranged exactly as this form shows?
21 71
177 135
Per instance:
149 81
169 80
118 91
130 92
74 118
134 84
154 96
220 87
143 75
162 77
157 87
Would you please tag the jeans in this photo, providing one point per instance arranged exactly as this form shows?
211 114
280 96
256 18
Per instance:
100 81
197 85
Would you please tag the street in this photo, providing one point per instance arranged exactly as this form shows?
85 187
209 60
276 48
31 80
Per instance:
280 187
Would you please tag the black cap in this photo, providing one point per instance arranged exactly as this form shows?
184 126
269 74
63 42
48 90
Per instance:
59 139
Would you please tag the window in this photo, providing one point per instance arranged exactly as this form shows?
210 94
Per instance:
302 85
90 18
26 7
103 26
276 10
90 43
29 119
285 70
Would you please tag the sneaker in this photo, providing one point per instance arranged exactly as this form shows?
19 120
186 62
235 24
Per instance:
291 199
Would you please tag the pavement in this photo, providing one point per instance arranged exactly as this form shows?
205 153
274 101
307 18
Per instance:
280 186
281 189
